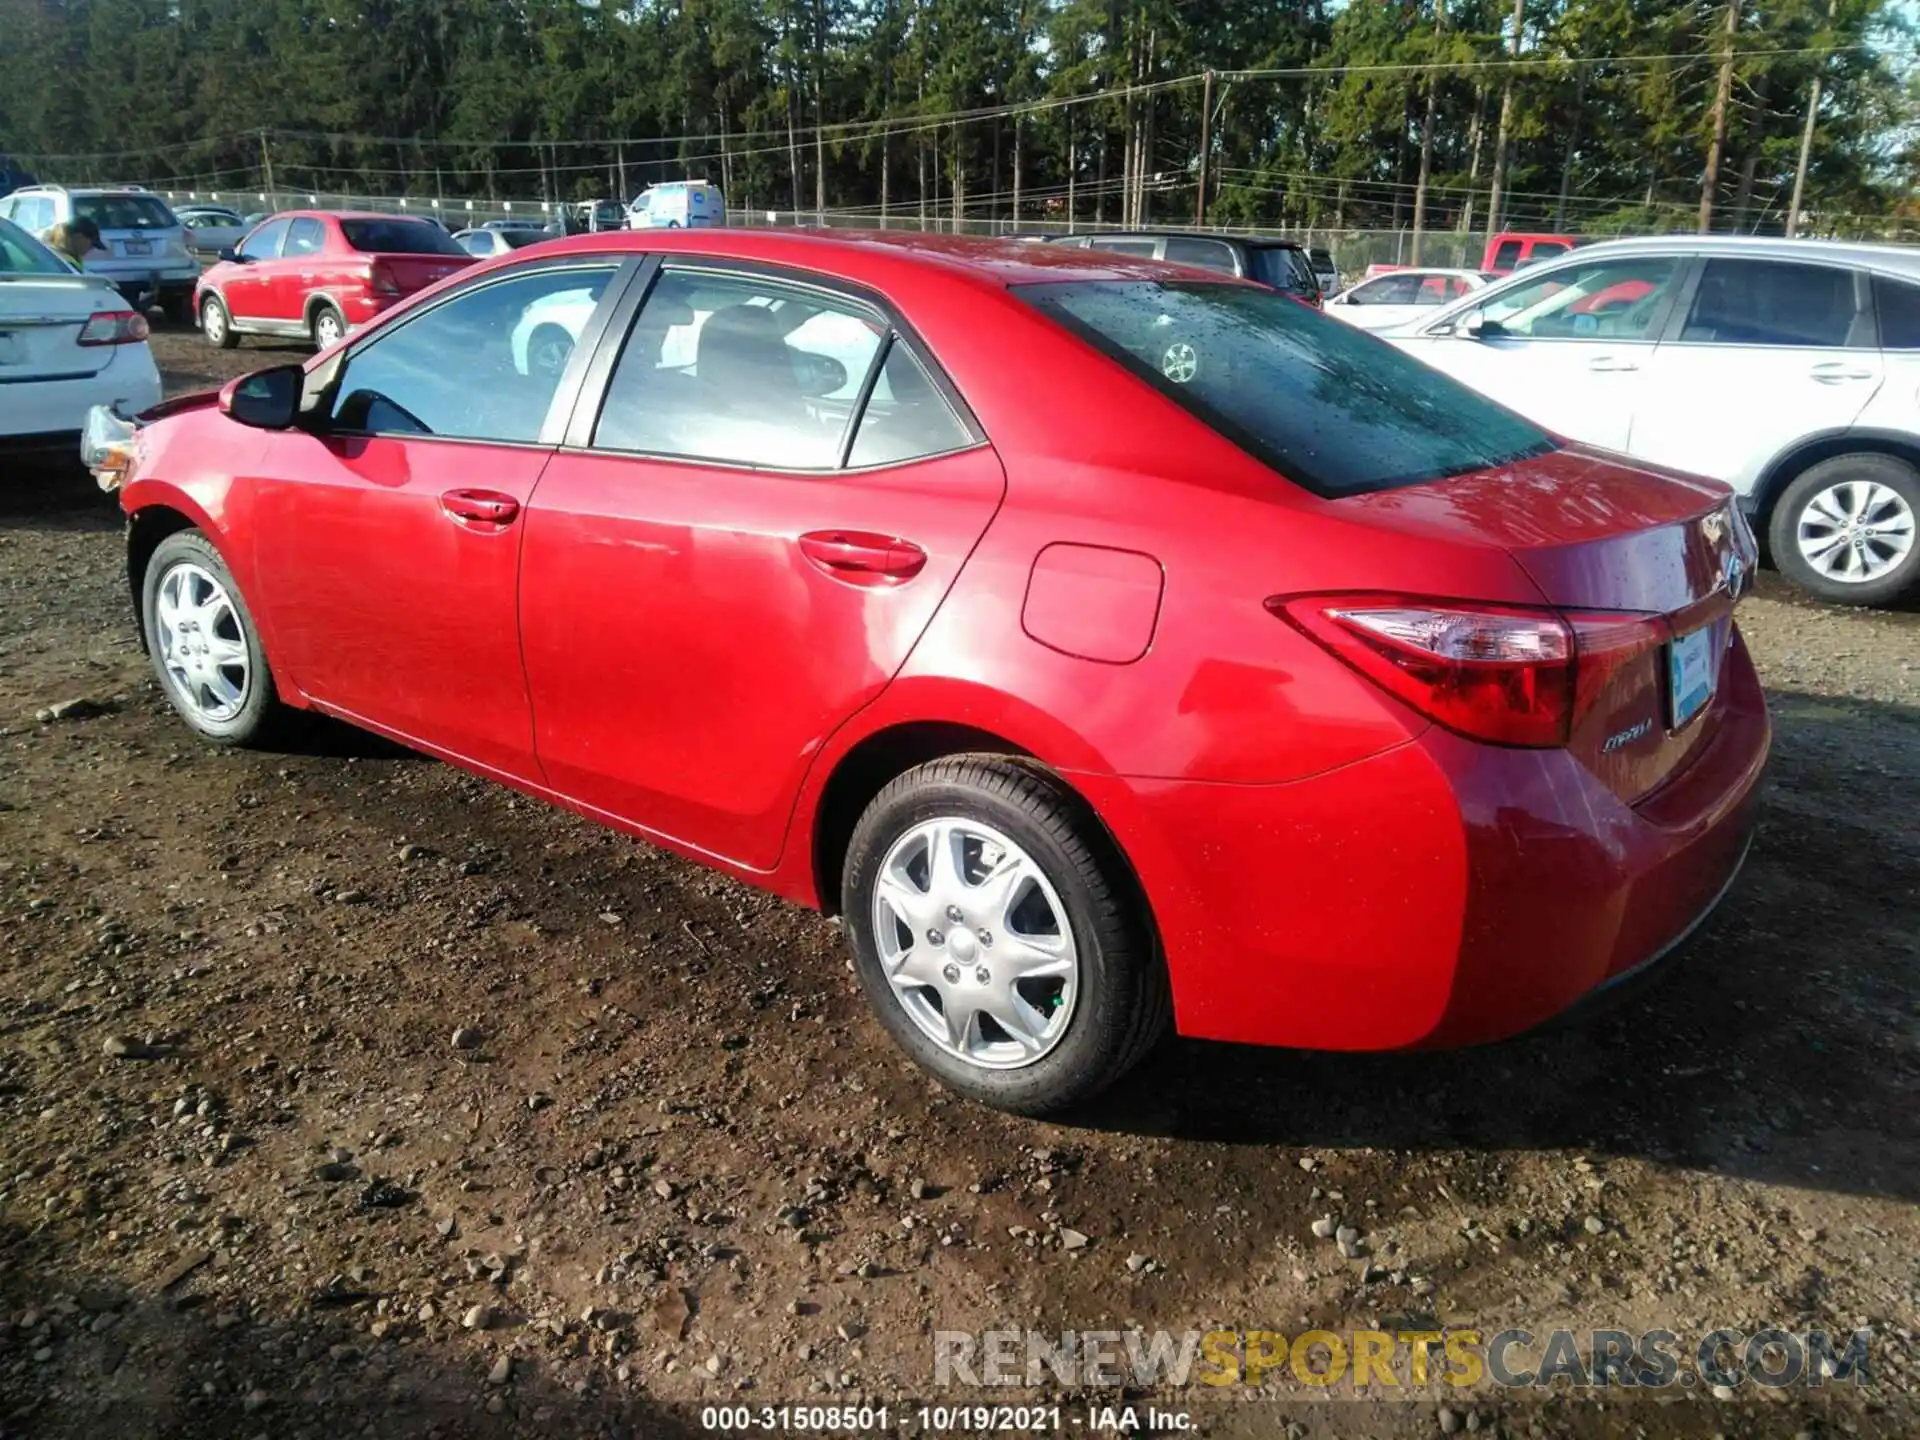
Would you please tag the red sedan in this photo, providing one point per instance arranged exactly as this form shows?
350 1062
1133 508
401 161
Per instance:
1105 642
315 275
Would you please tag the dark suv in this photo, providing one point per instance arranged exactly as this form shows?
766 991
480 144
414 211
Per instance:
1277 264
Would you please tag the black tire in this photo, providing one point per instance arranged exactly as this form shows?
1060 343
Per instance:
325 311
1783 533
217 324
1123 1004
260 713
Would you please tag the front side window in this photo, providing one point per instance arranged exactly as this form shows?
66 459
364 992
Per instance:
1766 302
1323 403
482 365
1602 300
398 237
265 243
739 370
1507 256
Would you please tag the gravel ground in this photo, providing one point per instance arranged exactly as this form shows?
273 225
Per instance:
341 1092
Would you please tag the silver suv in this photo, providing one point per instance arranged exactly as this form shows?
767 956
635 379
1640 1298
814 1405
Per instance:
144 245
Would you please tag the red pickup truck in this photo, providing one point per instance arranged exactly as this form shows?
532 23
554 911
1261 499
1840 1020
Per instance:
1510 249
317 275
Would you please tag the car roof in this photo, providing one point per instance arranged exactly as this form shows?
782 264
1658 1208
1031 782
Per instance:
1897 259
1252 242
997 262
1461 271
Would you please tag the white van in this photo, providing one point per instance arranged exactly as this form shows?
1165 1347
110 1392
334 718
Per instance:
678 205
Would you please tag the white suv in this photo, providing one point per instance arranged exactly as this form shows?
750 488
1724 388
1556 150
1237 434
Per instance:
1789 369
144 252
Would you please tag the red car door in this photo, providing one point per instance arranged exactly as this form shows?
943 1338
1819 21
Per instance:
296 274
245 285
721 569
387 541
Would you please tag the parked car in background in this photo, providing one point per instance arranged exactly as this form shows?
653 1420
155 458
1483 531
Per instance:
1403 295
678 205
211 228
1512 250
68 342
533 223
1324 270
1786 368
1039 659
1278 264
484 244
143 250
317 274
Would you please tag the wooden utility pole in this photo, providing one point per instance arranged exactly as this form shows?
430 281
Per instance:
266 168
1072 168
1806 139
1506 122
1016 172
1573 142
1426 134
1206 147
1723 92
620 161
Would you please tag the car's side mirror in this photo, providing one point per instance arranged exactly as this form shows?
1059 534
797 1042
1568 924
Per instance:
266 399
232 256
1479 327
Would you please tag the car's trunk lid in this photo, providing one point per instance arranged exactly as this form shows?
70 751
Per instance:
1645 563
415 272
41 317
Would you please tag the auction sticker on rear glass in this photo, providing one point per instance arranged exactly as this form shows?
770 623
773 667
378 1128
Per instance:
1690 674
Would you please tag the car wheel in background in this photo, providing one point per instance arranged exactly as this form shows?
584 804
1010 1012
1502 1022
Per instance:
999 936
329 325
1844 530
216 324
203 644
548 350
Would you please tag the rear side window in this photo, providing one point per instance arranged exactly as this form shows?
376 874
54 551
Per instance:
1507 256
1544 249
1387 290
123 212
398 237
1326 405
306 237
906 417
1766 302
1209 254
739 371
1284 268
1899 313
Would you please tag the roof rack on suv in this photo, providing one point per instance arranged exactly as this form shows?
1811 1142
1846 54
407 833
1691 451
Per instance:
48 189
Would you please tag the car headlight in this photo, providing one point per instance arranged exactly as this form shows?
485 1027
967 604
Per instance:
107 446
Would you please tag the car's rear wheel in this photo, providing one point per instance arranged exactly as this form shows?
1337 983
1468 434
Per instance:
548 350
205 648
216 324
999 936
1845 530
329 325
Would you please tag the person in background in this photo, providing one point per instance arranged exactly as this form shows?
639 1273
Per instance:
74 240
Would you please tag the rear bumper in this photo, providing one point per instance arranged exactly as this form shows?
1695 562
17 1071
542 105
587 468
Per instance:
38 414
1441 893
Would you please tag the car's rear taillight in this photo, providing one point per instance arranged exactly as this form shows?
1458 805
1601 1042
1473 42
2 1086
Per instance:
381 280
114 327
1507 675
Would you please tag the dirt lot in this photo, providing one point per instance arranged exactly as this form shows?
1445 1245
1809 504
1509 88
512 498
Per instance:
250 1186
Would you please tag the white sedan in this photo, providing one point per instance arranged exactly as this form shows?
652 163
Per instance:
1401 295
68 342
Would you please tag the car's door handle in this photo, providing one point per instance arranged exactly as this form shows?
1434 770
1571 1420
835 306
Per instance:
1837 372
480 507
863 557
1611 364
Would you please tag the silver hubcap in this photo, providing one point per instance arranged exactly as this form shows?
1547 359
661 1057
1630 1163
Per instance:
327 327
1855 531
203 648
1180 363
975 942
213 322
550 358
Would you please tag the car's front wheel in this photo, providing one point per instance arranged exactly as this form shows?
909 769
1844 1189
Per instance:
999 936
216 324
203 643
1845 530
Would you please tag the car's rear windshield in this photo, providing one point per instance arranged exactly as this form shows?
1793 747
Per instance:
21 254
399 237
123 212
1325 404
1284 268
518 239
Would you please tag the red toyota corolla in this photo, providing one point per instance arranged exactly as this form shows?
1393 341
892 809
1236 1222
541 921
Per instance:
1106 642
